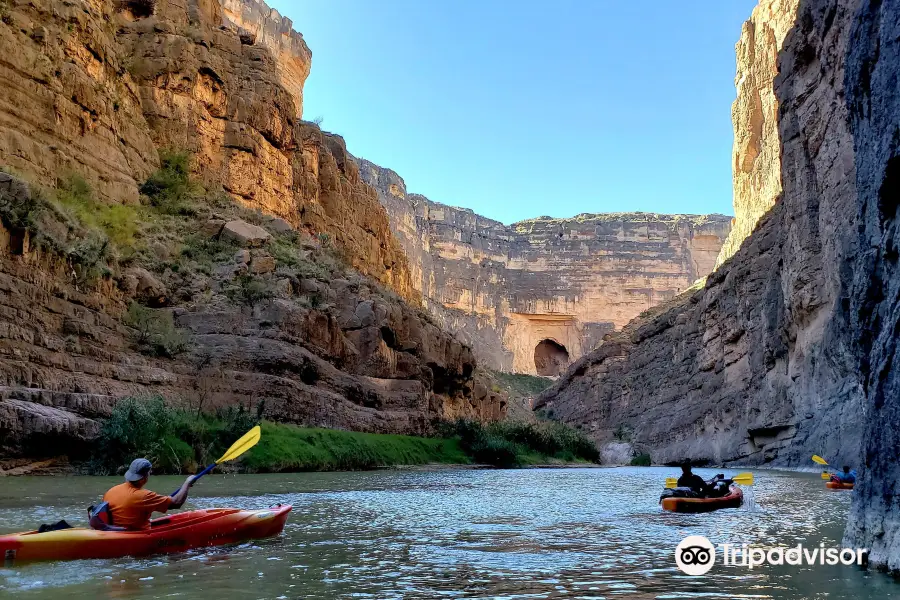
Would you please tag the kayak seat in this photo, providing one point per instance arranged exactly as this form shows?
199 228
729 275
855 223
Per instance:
100 518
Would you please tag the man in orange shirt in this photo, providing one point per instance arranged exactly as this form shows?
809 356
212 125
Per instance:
131 506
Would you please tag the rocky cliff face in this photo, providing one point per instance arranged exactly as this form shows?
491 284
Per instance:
330 349
95 87
788 349
757 144
264 26
533 296
219 93
871 283
68 103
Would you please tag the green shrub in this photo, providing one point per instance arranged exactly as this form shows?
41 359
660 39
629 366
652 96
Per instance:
141 428
118 222
623 433
641 460
522 385
205 253
179 441
495 450
291 448
171 188
512 443
156 333
249 290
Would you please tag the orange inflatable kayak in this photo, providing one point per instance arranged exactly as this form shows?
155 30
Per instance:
734 499
174 533
837 485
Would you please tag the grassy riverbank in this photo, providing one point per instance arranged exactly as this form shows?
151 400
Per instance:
178 441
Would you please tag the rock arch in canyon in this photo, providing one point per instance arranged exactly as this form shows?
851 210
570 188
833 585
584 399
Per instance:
550 358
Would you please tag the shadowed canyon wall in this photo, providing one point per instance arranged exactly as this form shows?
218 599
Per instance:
508 289
96 87
790 348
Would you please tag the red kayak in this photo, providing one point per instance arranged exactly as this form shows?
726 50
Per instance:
837 485
734 499
173 533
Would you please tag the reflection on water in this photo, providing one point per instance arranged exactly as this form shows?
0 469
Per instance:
556 533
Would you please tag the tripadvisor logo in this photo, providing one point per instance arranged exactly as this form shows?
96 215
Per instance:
696 555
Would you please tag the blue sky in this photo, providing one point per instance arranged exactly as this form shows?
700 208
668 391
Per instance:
528 108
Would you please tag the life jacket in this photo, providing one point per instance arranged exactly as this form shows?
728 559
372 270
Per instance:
100 518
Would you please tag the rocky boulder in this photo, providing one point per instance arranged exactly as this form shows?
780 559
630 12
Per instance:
244 234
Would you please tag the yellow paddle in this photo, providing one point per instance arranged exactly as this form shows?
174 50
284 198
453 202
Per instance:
821 461
246 441
743 479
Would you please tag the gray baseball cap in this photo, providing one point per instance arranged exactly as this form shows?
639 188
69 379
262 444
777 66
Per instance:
139 469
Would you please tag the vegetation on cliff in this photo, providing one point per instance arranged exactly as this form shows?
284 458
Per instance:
519 385
180 441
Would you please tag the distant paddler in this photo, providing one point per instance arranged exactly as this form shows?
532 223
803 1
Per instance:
845 477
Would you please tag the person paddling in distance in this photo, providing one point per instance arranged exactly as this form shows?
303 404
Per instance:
848 476
130 505
697 484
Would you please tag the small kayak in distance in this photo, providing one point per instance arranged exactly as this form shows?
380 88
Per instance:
734 499
837 485
173 533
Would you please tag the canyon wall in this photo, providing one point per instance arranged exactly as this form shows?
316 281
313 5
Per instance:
96 88
787 350
329 351
754 114
533 296
871 284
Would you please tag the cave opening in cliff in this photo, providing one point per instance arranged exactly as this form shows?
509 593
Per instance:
137 9
550 358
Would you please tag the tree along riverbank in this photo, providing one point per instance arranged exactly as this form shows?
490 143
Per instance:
179 441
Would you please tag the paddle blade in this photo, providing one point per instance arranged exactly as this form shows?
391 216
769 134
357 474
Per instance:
819 460
671 483
743 479
247 441
826 475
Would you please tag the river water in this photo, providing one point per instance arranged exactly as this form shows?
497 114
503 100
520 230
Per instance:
543 533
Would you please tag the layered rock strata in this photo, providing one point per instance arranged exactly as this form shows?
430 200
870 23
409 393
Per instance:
95 88
757 145
259 24
337 353
509 289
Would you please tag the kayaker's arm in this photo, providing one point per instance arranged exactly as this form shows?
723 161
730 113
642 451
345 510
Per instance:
180 497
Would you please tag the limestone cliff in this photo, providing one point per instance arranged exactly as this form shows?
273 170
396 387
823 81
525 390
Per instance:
95 88
265 26
787 350
757 145
68 103
533 296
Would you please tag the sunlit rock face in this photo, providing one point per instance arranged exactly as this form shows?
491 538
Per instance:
509 289
265 26
757 143
96 88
